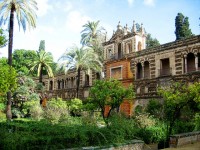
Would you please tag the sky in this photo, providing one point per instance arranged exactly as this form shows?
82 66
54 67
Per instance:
59 22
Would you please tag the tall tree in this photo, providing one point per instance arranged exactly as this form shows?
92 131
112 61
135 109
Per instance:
79 59
108 92
25 14
42 45
22 60
42 62
3 38
93 35
182 27
151 42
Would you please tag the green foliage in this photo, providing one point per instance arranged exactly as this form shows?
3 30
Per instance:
27 8
145 120
75 106
7 79
197 121
108 92
154 134
80 59
22 60
155 108
93 36
26 134
182 27
41 63
33 109
3 38
40 87
42 45
179 99
2 106
151 42
56 110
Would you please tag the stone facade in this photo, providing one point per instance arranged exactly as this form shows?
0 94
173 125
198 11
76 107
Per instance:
127 59
162 65
64 85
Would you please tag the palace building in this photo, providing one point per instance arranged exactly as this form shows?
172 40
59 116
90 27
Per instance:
127 59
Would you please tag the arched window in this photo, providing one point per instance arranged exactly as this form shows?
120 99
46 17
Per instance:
58 84
190 62
128 48
139 71
87 80
63 84
98 76
51 85
146 70
139 46
119 50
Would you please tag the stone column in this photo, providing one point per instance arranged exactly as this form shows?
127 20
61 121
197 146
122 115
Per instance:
185 58
142 63
136 73
196 62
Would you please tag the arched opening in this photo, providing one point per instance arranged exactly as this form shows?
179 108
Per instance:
109 54
58 84
87 80
63 84
190 62
139 71
146 70
128 48
98 77
139 46
119 50
51 85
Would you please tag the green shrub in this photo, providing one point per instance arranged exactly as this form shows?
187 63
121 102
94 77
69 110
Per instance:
56 110
2 106
182 126
75 106
154 108
33 109
30 134
153 134
145 120
197 121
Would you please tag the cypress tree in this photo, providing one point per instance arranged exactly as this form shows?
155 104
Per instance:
182 27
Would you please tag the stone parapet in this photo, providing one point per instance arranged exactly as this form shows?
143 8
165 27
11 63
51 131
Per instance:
184 138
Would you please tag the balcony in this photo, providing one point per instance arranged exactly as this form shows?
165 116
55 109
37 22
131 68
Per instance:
165 72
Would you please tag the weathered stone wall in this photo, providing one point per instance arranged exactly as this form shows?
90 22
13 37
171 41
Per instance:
184 138
131 145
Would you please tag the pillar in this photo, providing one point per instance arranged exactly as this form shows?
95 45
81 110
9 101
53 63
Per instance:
185 60
196 62
142 63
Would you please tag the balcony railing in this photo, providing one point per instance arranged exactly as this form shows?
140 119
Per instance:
165 72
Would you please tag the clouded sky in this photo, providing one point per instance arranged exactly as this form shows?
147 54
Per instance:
60 22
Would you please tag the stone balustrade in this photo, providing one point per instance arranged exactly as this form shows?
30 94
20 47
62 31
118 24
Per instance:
184 138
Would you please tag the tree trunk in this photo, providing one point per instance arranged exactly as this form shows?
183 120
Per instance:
78 82
10 46
40 76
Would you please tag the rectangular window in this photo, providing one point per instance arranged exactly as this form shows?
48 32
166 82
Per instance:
116 72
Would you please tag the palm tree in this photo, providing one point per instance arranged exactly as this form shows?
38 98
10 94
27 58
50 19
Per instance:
42 62
93 36
25 14
80 59
92 31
